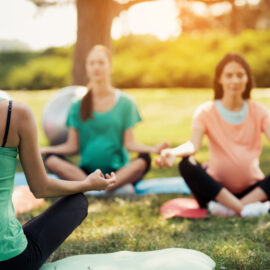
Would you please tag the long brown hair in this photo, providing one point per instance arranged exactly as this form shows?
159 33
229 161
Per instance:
233 57
86 108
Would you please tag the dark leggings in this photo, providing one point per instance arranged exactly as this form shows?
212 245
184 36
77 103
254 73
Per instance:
46 232
205 188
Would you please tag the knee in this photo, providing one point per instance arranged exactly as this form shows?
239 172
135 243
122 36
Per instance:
51 162
80 202
185 164
146 158
84 203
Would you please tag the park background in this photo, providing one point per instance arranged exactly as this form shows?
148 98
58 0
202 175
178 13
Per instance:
169 76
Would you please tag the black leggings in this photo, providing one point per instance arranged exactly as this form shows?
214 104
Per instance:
205 188
46 232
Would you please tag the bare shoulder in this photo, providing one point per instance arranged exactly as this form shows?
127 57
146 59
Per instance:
258 107
21 110
204 108
22 115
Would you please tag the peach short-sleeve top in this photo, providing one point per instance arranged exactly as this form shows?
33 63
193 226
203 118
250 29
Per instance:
234 148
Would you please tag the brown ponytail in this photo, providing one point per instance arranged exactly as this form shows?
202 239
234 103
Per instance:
86 108
87 105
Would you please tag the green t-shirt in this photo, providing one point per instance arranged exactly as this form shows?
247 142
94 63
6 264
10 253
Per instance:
101 138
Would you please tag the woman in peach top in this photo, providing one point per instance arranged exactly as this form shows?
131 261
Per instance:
233 124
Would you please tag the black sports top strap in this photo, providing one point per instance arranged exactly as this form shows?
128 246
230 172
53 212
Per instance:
7 123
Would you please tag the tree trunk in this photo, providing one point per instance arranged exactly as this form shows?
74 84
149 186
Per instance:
233 23
94 19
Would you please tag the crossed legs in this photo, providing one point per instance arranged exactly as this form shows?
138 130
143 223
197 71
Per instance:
205 188
130 173
46 232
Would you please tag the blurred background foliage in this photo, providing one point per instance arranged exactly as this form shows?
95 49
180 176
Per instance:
144 61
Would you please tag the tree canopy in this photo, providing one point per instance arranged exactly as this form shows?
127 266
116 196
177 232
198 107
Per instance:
95 17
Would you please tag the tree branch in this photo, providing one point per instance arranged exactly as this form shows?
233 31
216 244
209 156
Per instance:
134 2
44 3
122 7
212 2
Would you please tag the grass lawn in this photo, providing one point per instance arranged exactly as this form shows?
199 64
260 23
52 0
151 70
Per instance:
120 223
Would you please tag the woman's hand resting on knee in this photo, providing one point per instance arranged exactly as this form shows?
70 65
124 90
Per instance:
97 181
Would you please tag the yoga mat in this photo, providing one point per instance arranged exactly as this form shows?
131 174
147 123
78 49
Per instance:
149 186
182 207
24 200
143 187
162 185
126 190
165 259
20 180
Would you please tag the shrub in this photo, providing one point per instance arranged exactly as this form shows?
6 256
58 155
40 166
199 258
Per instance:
145 61
41 73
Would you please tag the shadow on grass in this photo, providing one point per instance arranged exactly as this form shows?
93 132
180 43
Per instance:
228 249
135 224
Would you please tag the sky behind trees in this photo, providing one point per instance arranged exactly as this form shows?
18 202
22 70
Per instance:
56 26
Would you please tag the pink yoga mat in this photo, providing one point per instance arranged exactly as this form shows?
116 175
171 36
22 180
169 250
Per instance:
182 207
24 200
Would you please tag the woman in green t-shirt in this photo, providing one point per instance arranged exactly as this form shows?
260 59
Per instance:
101 130
29 246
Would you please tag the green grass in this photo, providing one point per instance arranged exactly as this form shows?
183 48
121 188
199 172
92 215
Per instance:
120 223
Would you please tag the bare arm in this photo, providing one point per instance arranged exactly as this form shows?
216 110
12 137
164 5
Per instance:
71 146
189 148
133 146
267 132
39 183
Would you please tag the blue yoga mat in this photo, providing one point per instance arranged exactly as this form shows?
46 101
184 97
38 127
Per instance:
143 187
165 259
162 185
151 186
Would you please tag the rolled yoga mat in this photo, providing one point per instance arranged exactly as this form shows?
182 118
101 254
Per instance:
165 259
